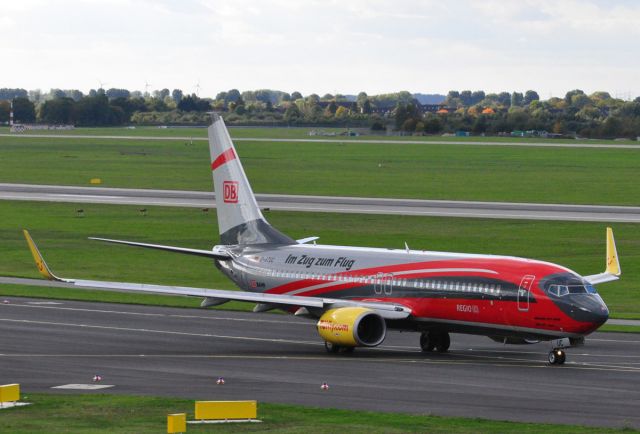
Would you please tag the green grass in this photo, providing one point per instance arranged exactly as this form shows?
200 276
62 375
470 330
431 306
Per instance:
61 237
87 413
619 328
486 173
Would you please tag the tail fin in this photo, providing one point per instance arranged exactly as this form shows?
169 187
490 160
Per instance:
239 218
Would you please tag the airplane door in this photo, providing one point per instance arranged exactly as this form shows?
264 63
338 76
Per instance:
524 292
382 284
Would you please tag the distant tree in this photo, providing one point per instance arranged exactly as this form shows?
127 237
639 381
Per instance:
295 95
516 99
285 97
35 95
292 113
176 94
58 111
432 125
327 97
465 97
580 100
477 96
93 111
164 93
117 93
57 93
93 93
23 110
366 107
233 96
74 94
5 107
569 95
530 96
403 112
331 108
504 98
9 94
342 112
193 103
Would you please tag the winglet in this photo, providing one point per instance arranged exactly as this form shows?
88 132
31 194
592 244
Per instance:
40 263
613 265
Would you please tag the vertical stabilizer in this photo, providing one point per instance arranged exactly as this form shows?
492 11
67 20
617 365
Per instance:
239 218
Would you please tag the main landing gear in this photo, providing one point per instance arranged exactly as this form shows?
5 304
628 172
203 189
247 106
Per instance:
557 357
334 349
435 340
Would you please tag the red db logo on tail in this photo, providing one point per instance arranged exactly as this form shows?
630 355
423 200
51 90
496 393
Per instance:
230 189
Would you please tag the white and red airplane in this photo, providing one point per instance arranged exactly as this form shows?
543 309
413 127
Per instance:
357 293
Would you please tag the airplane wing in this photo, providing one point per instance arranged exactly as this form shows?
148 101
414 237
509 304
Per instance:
218 296
613 270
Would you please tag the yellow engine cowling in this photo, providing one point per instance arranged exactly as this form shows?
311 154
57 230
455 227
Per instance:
352 327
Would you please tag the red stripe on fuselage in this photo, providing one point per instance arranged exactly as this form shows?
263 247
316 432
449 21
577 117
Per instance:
225 157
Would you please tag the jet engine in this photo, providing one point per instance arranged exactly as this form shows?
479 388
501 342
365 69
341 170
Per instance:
352 327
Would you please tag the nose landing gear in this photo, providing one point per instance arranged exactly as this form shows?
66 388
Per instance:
557 357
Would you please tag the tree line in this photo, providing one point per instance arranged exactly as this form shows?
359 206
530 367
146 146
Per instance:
598 115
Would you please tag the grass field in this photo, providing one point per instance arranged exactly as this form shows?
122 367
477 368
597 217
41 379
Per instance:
57 413
61 237
486 173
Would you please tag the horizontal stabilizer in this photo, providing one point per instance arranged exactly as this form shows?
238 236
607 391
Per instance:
217 252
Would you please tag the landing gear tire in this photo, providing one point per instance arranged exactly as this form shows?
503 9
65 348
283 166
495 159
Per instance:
557 357
427 343
443 342
434 340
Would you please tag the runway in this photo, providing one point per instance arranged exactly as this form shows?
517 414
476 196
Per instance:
339 139
277 358
334 204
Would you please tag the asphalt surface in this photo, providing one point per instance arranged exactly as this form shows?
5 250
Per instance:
359 205
277 358
577 144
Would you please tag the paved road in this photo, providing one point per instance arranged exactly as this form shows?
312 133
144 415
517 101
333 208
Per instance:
360 205
275 358
337 139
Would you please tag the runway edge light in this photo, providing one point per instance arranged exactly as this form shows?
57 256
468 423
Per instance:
176 423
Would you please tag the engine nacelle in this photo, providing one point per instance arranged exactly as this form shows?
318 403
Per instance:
352 327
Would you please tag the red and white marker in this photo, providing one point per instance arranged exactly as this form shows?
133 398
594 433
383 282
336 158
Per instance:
220 381
324 386
5 301
97 378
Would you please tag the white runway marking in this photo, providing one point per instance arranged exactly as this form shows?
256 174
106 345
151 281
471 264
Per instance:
257 320
167 332
84 386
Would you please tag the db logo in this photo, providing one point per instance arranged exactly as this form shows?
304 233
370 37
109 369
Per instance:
230 189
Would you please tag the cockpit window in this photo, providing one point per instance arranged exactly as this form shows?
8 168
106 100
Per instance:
565 284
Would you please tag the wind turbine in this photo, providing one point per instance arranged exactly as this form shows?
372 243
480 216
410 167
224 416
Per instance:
198 88
102 84
146 87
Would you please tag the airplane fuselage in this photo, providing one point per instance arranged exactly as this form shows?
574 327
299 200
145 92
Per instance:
484 294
